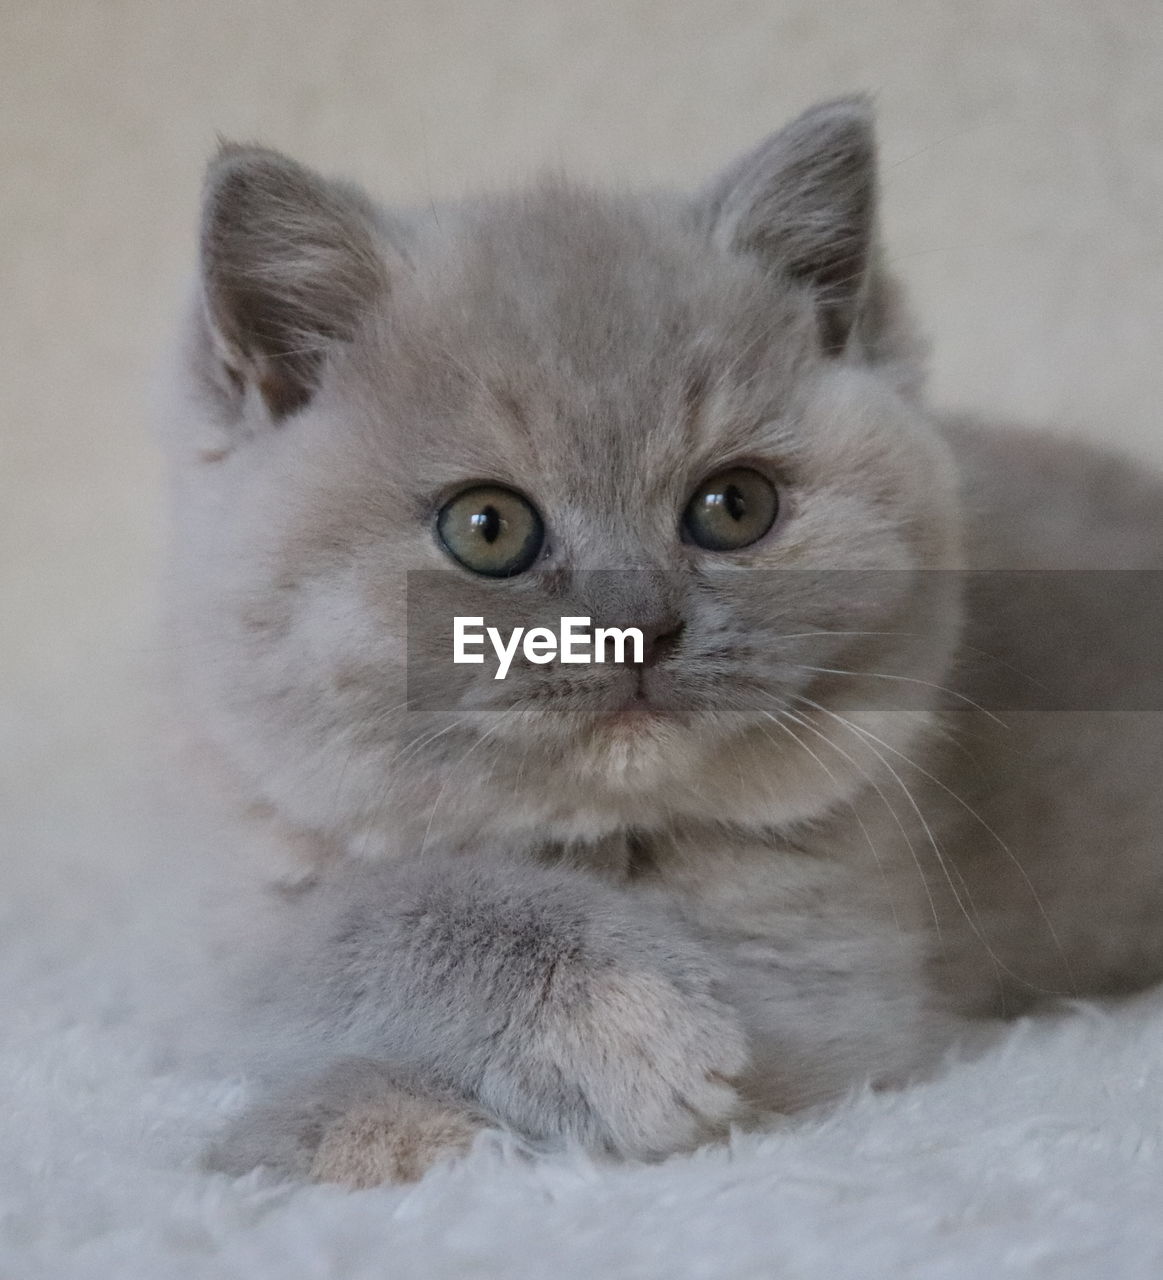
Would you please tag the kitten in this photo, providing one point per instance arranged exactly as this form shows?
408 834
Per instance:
791 851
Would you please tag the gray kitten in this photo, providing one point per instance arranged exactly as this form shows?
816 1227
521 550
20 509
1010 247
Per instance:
797 847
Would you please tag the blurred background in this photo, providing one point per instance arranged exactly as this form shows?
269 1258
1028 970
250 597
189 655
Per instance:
1023 189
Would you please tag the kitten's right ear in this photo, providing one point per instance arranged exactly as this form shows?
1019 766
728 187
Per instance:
289 265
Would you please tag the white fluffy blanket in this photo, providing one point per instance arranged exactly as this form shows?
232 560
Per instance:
1044 1157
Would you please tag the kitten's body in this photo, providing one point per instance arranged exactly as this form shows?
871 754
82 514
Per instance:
780 881
1071 903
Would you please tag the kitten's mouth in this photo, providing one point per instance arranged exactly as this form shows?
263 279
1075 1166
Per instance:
628 716
636 713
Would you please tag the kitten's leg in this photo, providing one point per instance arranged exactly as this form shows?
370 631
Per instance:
396 1139
355 1124
825 958
550 1002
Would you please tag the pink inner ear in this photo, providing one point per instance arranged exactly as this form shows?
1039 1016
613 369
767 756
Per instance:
283 395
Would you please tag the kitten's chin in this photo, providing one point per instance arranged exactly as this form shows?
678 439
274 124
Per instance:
620 755
632 721
645 757
644 766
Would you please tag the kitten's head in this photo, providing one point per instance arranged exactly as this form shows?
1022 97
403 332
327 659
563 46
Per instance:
680 414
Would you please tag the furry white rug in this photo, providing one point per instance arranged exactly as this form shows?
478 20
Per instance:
1044 1157
1022 187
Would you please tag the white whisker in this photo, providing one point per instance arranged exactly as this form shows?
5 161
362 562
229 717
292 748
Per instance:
448 776
1005 848
776 719
882 675
970 915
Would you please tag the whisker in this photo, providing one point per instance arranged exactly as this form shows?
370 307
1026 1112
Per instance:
872 782
972 918
882 675
982 126
776 720
1005 848
810 635
392 776
915 635
417 746
932 839
448 776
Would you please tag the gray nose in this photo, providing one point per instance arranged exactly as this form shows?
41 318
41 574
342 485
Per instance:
660 638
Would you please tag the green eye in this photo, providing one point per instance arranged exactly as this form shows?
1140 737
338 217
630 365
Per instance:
731 510
491 530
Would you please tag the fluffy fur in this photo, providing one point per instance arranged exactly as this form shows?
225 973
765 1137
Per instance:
785 881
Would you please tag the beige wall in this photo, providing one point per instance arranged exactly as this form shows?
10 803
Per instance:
1023 148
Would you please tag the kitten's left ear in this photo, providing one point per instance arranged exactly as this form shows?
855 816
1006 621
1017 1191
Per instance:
804 201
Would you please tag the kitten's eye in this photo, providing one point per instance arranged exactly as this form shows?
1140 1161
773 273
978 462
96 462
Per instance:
731 510
491 530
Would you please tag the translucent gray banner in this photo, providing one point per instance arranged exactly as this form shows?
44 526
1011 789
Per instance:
1012 640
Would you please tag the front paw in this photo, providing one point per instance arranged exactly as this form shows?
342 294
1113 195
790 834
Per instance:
397 1138
354 1125
637 1062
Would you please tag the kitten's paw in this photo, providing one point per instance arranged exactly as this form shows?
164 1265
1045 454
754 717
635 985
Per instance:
352 1125
639 1063
396 1139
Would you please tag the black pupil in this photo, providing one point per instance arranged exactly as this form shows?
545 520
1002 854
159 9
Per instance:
735 502
488 524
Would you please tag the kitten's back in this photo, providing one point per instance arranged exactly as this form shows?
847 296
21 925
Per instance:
1062 865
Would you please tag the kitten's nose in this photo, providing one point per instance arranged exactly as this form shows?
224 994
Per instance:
659 640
